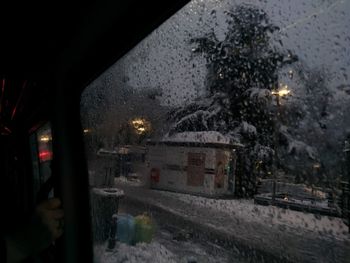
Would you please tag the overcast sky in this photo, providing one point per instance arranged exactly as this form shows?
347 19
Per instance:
317 31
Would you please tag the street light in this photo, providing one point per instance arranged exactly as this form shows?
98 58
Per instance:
86 131
278 93
45 138
141 125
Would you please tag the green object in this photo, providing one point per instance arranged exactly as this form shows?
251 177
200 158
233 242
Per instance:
144 229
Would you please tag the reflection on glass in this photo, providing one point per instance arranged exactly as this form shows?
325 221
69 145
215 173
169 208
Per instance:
41 151
44 145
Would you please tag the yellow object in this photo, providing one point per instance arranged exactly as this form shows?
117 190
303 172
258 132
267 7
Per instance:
144 228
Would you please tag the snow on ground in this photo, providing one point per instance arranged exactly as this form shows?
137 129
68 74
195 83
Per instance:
247 211
132 180
276 231
142 252
161 250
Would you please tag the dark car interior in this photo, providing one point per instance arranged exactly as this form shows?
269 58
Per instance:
49 53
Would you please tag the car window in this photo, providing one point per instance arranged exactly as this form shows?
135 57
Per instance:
41 156
224 137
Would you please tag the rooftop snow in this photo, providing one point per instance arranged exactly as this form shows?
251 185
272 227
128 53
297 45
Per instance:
202 137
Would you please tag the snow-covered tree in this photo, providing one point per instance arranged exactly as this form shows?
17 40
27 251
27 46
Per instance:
242 70
314 125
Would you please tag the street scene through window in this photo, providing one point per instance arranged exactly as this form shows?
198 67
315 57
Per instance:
224 136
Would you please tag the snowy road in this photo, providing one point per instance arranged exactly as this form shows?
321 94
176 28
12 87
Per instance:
180 241
163 249
242 236
171 243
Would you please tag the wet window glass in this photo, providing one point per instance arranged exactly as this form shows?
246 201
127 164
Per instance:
224 136
41 153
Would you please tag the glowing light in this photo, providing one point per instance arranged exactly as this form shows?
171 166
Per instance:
45 156
86 130
317 165
140 125
284 91
45 138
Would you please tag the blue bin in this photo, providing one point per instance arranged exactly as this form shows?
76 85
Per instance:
125 228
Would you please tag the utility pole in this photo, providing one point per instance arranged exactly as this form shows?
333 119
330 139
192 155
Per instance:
278 94
346 183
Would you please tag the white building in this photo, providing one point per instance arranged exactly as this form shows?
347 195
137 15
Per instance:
193 162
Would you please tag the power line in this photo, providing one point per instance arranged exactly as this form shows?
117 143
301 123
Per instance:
316 13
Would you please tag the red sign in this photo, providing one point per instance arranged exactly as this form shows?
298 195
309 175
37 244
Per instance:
155 175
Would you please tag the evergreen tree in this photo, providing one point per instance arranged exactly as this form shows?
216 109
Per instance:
242 70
